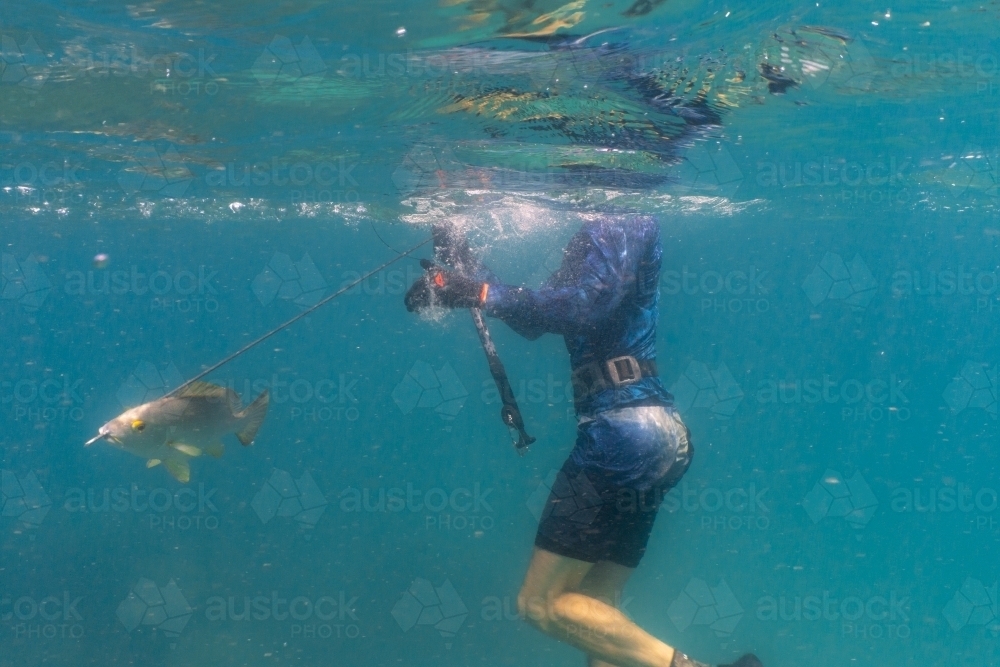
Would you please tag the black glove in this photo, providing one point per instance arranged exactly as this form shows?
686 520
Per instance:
440 287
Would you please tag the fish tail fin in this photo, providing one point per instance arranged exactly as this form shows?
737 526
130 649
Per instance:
254 416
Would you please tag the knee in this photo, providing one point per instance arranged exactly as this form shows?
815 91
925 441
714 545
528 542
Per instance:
546 612
534 608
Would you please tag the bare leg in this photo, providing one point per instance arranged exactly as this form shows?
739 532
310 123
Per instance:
551 600
605 581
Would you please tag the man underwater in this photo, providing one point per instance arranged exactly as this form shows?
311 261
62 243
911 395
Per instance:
631 447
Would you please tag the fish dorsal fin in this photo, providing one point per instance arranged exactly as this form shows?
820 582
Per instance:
179 468
152 463
206 390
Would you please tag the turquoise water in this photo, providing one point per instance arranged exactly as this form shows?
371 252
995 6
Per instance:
830 286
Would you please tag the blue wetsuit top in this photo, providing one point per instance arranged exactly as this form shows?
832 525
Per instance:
603 300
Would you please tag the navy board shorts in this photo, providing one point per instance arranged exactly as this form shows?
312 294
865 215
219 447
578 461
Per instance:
604 501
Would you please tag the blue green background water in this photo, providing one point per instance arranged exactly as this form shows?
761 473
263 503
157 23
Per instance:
828 304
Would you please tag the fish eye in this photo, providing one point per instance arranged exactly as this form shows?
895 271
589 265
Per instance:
138 425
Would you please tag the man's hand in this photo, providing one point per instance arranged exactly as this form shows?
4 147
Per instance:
440 287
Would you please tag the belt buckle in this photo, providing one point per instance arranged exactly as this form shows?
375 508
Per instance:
623 370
